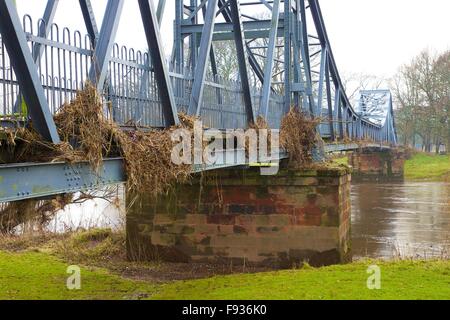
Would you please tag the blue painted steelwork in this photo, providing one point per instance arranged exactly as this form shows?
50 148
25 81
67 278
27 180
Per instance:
67 56
242 58
151 27
105 43
89 20
44 30
160 10
196 100
27 181
23 64
291 44
269 63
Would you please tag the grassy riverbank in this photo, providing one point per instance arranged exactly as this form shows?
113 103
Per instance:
41 276
421 166
424 166
399 280
37 269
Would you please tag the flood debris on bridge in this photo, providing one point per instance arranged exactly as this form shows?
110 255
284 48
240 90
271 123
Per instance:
88 136
299 137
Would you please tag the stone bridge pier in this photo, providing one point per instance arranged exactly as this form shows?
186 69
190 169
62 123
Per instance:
238 216
378 164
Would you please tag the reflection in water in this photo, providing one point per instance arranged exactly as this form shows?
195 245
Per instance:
98 209
107 210
410 219
95 213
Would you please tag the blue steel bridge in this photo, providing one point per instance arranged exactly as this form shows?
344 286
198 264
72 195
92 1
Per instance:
283 54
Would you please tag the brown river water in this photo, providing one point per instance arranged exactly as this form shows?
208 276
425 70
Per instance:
405 219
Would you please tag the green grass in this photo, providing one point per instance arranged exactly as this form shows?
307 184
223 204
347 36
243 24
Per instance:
40 276
37 275
427 167
341 161
400 280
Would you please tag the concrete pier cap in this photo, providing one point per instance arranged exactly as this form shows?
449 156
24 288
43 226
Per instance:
238 216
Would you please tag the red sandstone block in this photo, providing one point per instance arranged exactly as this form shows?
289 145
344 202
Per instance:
203 259
159 239
225 229
304 173
221 219
235 209
198 239
161 219
196 219
176 229
329 200
232 241
208 229
329 181
261 220
314 238
145 229
245 220
280 220
221 251
246 254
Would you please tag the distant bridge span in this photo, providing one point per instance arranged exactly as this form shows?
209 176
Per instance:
284 59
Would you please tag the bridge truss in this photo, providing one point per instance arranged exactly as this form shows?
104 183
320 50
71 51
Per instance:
283 54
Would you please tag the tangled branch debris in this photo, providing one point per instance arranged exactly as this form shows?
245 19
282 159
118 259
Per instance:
87 135
148 162
298 137
85 131
33 212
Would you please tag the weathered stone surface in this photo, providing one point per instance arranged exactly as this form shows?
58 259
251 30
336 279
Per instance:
241 216
375 164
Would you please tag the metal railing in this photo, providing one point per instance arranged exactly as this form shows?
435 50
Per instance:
63 62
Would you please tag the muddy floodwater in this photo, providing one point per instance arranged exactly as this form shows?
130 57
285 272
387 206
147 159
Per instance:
407 219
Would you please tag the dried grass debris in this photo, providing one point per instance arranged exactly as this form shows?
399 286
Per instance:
298 136
33 212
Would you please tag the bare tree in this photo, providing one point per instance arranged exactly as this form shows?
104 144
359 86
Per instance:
422 89
355 82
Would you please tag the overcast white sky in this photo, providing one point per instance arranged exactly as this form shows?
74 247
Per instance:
368 36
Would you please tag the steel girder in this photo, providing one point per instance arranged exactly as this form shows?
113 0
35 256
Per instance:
24 66
151 27
288 15
203 55
160 10
89 20
356 126
45 27
212 57
44 30
225 10
105 42
242 58
297 70
324 97
268 71
28 181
